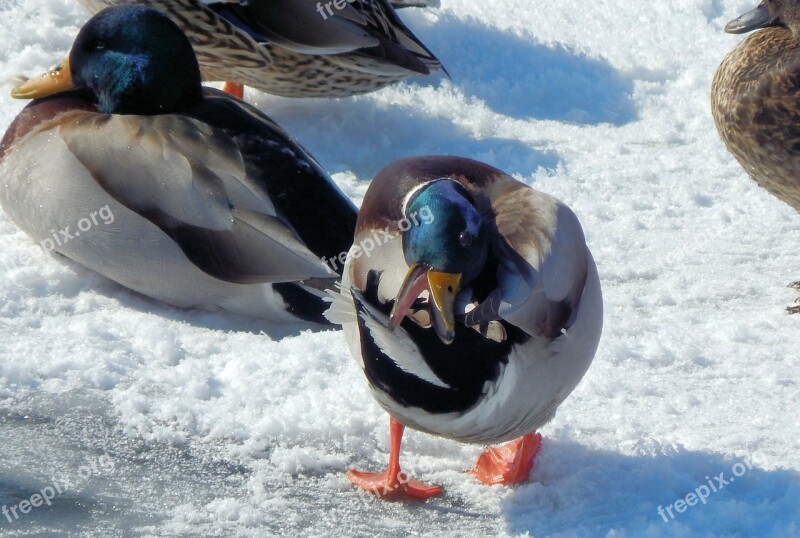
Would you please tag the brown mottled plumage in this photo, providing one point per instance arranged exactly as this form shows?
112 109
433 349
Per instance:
755 99
291 50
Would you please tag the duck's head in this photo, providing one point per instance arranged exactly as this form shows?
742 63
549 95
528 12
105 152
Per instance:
131 59
445 245
768 13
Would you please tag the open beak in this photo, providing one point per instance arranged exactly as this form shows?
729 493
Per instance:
57 80
752 20
443 288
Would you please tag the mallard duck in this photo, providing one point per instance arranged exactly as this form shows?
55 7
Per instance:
297 48
755 99
125 164
473 306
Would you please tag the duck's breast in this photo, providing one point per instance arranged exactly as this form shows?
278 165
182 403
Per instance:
756 107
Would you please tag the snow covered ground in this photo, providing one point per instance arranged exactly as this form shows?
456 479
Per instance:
156 421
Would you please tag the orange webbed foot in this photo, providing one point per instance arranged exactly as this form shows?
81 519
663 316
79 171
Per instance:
233 88
393 484
510 463
399 487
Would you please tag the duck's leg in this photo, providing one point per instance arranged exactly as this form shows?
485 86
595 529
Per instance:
393 484
234 88
509 463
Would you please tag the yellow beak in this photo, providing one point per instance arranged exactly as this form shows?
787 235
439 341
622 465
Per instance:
57 80
443 288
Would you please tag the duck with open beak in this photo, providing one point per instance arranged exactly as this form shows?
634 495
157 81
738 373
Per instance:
442 289
476 321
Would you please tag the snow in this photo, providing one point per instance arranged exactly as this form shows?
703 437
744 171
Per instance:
218 425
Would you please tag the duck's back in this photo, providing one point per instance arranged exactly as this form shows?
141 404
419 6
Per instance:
246 42
756 107
323 217
212 207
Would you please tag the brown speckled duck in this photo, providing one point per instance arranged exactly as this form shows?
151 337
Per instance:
755 99
298 48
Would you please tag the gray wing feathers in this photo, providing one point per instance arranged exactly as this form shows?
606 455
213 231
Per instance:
564 269
544 266
368 27
287 253
301 26
191 181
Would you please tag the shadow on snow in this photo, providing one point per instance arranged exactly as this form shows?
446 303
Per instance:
363 136
522 79
587 492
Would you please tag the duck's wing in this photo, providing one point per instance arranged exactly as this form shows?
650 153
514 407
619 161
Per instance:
323 217
396 346
192 181
543 262
369 27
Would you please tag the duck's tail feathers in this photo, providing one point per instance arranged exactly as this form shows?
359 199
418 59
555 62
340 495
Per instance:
341 309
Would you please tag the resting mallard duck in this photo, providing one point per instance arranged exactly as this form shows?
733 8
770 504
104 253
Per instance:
204 201
297 48
755 98
473 306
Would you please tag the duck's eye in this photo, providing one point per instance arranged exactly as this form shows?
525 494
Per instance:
100 45
465 238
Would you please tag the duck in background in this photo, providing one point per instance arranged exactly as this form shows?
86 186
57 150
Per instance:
206 202
298 48
473 306
755 99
